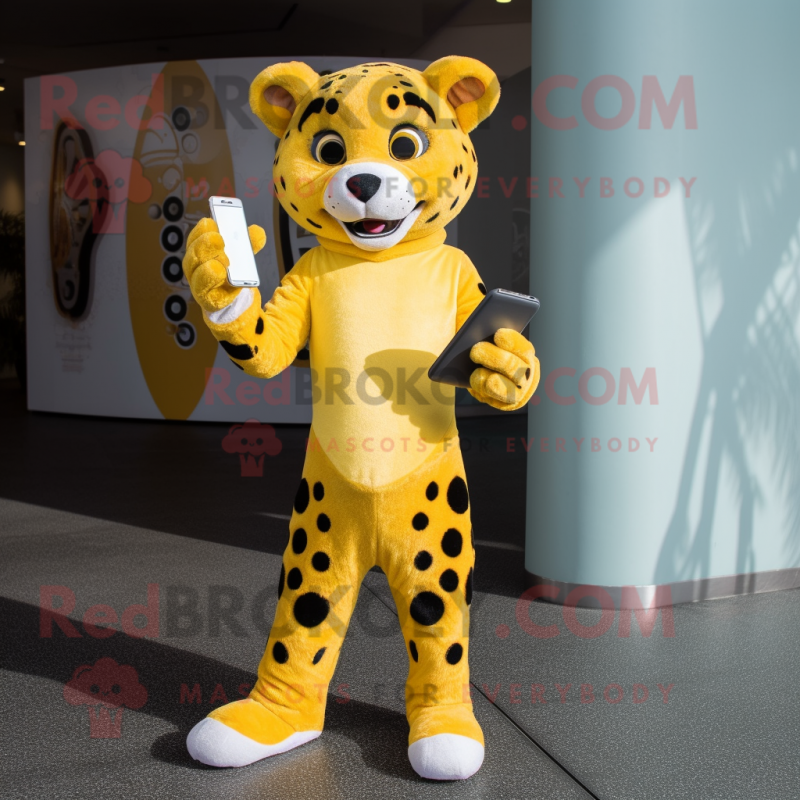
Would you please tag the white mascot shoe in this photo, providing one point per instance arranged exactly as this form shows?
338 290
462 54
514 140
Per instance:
446 757
210 742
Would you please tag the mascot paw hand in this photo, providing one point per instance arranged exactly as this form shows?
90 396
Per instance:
508 373
205 264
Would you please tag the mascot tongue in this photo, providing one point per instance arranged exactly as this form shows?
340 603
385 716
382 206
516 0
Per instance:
373 225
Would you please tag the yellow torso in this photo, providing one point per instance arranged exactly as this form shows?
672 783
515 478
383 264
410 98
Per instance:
370 319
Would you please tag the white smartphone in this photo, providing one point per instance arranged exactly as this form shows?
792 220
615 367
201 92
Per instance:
228 213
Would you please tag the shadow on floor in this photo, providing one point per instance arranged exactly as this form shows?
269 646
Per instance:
379 733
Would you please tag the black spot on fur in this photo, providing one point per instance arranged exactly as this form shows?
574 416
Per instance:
468 587
481 288
454 123
420 521
287 136
427 608
338 91
460 168
318 655
452 542
453 204
280 653
423 560
412 99
260 326
311 221
255 349
464 148
393 101
342 77
469 178
302 497
294 579
241 351
406 83
299 541
454 653
365 70
314 107
283 182
320 562
324 523
326 85
527 373
332 106
432 492
281 581
319 491
473 156
457 495
448 581
433 217
412 648
455 173
310 609
293 206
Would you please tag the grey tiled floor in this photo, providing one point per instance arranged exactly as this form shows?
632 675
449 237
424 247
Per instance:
106 507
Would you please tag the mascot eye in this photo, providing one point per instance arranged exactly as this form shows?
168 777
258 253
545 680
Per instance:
328 148
407 143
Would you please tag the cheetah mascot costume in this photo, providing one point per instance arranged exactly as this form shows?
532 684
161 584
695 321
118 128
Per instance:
375 160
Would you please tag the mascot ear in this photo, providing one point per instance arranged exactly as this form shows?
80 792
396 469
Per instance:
278 90
469 86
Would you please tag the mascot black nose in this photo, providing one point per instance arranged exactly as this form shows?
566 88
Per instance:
363 186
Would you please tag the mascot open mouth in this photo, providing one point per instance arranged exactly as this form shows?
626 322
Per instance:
373 227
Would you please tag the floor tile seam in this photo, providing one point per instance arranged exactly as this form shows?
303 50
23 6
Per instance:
510 720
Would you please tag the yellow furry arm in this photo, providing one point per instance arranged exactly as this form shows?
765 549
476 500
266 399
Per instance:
262 342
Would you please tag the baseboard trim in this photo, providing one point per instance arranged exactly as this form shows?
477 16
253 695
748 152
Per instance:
657 595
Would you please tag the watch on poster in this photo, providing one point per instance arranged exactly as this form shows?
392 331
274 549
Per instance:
374 160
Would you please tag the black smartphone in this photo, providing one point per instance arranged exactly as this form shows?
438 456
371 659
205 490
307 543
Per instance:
499 309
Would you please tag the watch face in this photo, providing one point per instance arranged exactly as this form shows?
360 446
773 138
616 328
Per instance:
74 206
186 159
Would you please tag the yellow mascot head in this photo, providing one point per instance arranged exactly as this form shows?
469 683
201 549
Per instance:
375 154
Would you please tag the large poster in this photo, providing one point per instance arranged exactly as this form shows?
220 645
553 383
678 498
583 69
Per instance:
119 167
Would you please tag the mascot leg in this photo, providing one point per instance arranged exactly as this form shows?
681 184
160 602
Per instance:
323 566
427 553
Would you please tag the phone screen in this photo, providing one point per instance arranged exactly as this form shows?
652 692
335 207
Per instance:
233 229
